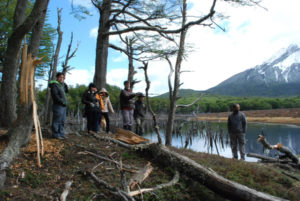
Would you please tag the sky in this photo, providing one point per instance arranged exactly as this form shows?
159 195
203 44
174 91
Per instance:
252 35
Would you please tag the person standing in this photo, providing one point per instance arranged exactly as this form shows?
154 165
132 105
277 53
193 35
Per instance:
127 105
105 107
139 113
237 127
58 93
92 108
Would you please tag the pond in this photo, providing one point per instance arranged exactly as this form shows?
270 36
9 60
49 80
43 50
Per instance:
213 137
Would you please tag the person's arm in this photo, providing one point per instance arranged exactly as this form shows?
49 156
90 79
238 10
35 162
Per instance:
66 88
128 95
110 107
244 123
229 124
85 98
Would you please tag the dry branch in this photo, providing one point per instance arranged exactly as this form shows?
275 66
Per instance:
140 175
160 186
65 193
288 153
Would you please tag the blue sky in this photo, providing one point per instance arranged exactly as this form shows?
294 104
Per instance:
252 35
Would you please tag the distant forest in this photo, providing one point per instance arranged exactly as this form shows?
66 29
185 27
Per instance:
208 104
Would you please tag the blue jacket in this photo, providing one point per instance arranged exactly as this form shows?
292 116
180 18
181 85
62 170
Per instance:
237 123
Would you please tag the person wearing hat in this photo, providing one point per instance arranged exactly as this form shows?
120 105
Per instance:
106 106
92 108
140 113
127 105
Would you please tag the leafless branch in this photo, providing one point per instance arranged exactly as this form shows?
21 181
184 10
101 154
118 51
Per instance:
164 30
188 105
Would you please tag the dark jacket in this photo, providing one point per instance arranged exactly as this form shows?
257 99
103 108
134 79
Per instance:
126 99
237 123
140 109
88 98
58 92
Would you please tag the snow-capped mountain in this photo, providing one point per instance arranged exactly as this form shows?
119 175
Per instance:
278 76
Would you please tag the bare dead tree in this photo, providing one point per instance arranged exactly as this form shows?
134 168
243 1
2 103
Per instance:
53 68
155 124
69 55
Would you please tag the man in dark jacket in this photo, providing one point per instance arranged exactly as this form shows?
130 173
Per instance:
58 93
140 113
237 127
127 105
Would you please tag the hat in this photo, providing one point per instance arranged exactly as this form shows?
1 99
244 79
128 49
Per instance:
103 90
139 94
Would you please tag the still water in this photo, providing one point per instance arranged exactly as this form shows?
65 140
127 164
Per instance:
287 135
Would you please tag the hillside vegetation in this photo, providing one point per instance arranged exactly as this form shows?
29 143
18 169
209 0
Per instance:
209 103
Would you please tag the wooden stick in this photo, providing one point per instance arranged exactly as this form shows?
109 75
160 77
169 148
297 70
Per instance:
65 193
140 175
160 186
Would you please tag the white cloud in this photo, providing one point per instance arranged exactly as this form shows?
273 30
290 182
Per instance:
80 76
94 32
85 3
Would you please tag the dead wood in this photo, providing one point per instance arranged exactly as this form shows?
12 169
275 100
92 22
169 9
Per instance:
160 186
65 193
218 184
140 175
266 158
155 124
113 190
288 153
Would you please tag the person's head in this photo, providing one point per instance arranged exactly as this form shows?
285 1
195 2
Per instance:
141 96
103 92
127 84
60 77
92 87
236 107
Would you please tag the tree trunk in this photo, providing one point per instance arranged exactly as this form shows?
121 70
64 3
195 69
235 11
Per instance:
102 45
131 71
36 35
174 94
207 177
10 66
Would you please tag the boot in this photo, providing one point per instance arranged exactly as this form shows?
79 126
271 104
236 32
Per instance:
129 127
125 127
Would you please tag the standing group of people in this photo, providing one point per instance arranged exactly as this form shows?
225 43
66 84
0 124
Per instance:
98 105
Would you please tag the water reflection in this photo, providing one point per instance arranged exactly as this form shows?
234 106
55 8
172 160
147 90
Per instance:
213 137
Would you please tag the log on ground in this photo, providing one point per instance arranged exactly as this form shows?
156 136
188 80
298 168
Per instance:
207 177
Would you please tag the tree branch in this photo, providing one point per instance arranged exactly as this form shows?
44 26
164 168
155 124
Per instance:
188 105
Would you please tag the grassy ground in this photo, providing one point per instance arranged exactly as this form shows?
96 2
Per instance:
65 160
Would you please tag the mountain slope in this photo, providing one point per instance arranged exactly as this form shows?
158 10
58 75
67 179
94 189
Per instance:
279 76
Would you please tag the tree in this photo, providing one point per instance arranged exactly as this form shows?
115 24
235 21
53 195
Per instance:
11 58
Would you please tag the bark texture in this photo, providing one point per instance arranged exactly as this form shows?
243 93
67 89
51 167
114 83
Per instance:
205 176
102 44
10 66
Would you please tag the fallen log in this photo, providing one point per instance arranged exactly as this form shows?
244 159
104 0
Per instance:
288 153
207 177
224 187
266 158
